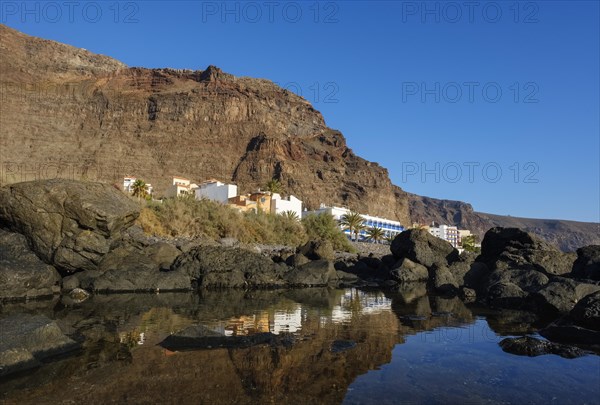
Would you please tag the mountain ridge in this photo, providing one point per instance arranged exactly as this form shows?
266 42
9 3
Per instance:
68 109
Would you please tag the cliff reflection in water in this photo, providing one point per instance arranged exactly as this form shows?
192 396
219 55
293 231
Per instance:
332 337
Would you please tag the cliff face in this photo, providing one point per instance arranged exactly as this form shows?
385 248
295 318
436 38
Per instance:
74 114
66 112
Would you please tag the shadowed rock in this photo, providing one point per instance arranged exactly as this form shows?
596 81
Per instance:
22 273
69 224
587 265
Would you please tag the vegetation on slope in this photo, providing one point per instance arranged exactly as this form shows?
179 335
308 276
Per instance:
188 217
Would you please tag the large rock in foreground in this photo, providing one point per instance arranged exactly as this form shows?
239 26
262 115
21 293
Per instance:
25 340
69 224
22 273
421 247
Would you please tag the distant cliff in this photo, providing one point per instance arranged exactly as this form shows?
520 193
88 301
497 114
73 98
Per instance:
66 112
567 235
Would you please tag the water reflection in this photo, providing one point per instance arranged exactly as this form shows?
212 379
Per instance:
344 345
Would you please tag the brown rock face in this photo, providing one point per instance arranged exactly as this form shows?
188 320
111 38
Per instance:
78 115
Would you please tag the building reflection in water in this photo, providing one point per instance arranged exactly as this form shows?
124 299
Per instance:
350 304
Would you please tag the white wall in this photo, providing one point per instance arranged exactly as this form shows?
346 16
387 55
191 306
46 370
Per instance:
217 191
280 205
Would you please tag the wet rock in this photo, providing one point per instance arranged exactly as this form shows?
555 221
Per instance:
408 271
529 346
25 340
201 337
22 273
218 267
69 224
561 295
421 247
587 264
315 273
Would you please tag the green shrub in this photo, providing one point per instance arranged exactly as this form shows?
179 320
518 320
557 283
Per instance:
325 227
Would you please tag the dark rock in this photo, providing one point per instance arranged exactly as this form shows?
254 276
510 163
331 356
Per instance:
528 346
297 260
512 248
141 279
215 267
342 345
506 295
68 224
565 331
371 262
561 295
421 247
163 254
587 264
22 273
201 337
442 280
586 313
527 280
460 268
317 250
25 340
477 277
408 271
315 273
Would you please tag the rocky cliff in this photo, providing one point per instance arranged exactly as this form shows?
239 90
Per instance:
66 112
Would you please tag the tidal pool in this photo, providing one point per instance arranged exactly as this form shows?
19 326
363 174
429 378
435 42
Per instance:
334 346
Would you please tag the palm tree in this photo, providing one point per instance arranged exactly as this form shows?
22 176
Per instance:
274 186
352 222
140 189
375 234
291 215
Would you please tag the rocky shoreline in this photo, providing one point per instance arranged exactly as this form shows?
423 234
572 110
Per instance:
76 239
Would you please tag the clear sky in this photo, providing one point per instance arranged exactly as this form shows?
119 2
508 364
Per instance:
491 102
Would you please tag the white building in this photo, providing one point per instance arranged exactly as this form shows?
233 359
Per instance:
280 205
128 182
389 226
181 186
216 191
446 232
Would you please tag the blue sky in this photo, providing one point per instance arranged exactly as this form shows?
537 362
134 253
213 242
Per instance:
491 102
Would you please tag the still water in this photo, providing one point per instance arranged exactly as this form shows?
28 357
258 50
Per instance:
339 347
